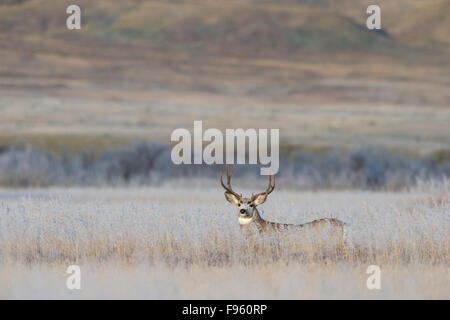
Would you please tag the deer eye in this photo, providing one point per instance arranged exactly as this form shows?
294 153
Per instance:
252 205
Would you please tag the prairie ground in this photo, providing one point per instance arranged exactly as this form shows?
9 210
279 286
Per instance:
186 243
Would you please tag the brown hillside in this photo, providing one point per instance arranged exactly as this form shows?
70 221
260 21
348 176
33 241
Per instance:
141 68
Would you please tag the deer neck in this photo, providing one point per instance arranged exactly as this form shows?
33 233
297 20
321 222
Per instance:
256 220
256 216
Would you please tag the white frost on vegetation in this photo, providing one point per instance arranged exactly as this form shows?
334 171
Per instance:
186 243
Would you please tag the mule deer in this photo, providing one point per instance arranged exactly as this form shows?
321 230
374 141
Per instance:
332 229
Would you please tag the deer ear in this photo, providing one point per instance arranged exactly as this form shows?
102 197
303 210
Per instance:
260 199
231 198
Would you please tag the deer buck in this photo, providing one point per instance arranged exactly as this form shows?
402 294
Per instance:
330 229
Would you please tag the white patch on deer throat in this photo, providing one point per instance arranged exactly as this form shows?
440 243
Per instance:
244 221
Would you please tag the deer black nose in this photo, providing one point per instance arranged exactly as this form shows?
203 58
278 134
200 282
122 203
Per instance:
242 210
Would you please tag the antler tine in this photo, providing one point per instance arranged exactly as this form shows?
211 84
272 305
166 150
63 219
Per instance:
269 189
229 175
228 187
271 184
232 170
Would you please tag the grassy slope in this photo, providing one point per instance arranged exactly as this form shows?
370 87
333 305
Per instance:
240 23
183 60
426 23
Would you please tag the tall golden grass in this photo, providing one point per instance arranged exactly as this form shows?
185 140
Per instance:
181 234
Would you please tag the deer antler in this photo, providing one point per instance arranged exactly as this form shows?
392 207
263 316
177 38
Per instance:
228 187
269 189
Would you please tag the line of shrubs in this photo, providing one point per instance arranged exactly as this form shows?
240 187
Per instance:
150 164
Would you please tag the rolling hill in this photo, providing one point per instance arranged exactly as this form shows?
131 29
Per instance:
137 61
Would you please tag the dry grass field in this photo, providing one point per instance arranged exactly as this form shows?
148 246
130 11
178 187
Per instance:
174 242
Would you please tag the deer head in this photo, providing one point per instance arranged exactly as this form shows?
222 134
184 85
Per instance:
246 206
